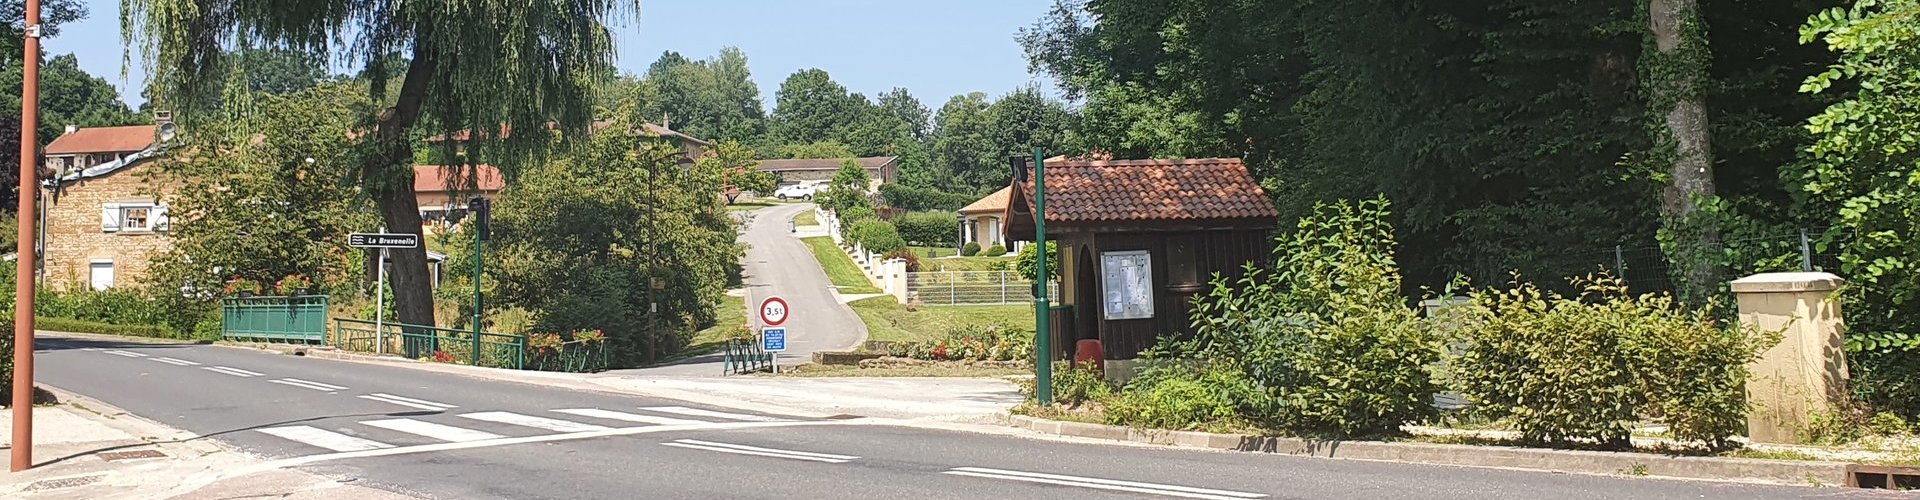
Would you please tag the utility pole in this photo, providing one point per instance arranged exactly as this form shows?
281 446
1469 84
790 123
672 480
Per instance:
1043 343
24 260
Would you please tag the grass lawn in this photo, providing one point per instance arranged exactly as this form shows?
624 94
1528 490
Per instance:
937 251
966 264
840 267
806 218
731 312
887 320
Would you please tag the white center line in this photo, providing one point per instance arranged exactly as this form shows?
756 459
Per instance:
175 361
1103 484
696 412
755 450
534 422
629 417
231 371
129 354
407 402
446 433
324 438
308 384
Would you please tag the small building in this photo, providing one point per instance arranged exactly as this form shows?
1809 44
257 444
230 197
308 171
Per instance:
881 169
1138 240
441 191
982 220
103 221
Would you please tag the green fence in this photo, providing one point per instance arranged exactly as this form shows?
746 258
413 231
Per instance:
495 350
275 319
745 355
574 356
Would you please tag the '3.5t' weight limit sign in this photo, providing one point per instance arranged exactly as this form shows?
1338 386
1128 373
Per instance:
773 311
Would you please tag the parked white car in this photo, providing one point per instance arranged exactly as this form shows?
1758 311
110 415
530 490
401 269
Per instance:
803 191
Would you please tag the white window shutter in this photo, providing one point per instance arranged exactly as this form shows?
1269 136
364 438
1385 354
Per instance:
109 218
157 218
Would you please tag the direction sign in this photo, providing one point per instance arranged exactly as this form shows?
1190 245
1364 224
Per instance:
773 339
383 240
773 311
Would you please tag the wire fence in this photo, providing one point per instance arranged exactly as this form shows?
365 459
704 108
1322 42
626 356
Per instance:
1646 266
972 287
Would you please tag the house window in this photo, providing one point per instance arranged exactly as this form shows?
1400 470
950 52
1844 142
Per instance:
135 218
100 274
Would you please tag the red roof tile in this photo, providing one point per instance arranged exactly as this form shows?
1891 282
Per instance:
439 178
103 140
1150 190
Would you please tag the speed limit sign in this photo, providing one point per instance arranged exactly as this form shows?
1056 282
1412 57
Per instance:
773 311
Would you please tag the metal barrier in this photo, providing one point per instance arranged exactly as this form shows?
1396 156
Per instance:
972 287
496 350
275 318
746 356
573 356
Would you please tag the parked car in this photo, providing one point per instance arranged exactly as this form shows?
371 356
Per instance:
797 192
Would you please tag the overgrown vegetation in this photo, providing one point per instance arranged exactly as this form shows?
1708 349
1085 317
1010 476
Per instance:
970 343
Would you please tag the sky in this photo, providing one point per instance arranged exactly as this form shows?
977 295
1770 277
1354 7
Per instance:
936 49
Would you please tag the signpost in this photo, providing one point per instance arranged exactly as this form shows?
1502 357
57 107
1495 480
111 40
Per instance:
382 241
773 337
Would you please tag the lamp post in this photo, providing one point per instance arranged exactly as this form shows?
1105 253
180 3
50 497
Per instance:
1043 343
23 276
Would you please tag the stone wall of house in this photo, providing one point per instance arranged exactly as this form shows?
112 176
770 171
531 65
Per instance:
75 240
798 176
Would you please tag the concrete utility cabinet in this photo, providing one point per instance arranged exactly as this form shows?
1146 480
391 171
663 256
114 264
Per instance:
1806 373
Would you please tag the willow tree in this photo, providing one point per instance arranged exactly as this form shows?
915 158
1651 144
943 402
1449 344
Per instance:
485 66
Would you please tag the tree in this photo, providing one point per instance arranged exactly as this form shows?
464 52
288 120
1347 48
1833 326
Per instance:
54 14
822 149
713 99
1676 76
270 71
848 189
68 96
902 105
1021 121
810 107
736 164
529 78
963 148
266 206
574 238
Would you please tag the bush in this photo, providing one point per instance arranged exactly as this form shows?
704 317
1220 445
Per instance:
906 254
6 361
876 236
972 343
928 228
995 251
1565 369
971 249
917 199
84 326
1181 395
1328 338
1023 261
856 214
1076 386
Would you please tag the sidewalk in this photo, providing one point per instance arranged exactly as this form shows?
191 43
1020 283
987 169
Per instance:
89 450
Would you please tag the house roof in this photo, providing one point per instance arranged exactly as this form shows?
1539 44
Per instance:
439 178
1132 191
102 140
598 125
823 163
995 203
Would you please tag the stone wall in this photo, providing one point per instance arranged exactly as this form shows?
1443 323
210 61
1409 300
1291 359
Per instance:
75 239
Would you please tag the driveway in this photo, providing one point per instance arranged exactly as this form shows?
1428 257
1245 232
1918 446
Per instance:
778 264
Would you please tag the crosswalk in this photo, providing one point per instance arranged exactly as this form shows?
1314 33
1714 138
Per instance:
385 433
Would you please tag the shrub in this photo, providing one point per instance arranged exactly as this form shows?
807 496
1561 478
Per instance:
1185 395
906 254
1076 386
995 251
84 326
876 236
971 249
1023 261
6 360
1564 369
928 228
1328 337
918 199
970 343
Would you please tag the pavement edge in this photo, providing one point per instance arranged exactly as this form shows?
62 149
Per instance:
1804 473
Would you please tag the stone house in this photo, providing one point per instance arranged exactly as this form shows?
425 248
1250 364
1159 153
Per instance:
983 219
102 221
881 169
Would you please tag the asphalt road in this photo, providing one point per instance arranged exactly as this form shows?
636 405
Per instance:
439 435
778 264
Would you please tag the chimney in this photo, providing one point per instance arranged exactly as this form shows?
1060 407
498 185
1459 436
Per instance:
71 128
162 117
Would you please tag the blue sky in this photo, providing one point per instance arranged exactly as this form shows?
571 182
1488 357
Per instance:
936 49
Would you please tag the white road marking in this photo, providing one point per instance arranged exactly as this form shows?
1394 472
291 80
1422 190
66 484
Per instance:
324 438
758 451
304 384
90 349
545 438
231 371
555 425
129 354
175 362
629 417
446 433
1103 484
408 402
695 412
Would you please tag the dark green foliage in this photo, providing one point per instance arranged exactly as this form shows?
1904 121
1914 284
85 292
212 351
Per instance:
994 251
847 190
1186 395
1023 262
971 249
6 361
923 199
933 229
877 236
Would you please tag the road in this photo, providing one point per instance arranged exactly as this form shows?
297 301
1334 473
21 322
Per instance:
439 435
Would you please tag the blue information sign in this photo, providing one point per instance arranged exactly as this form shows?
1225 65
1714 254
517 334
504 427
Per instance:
773 339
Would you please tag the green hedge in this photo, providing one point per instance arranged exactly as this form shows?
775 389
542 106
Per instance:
933 229
84 326
876 236
918 200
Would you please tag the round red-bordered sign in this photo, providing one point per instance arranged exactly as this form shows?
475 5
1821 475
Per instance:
773 311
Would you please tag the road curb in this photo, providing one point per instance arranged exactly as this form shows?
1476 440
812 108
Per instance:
1561 461
118 338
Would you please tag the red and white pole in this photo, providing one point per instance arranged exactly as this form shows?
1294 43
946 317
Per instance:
25 258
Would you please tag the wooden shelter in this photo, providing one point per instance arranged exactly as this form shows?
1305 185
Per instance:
1138 240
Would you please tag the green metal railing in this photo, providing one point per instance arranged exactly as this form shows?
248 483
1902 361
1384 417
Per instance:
275 319
574 356
745 355
495 350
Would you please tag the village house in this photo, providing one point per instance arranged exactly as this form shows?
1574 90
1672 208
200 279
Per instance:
1138 240
981 221
880 169
102 221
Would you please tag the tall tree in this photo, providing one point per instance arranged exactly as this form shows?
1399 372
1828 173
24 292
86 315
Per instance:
1675 68
810 107
963 147
68 96
477 66
54 14
1023 120
907 109
713 99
